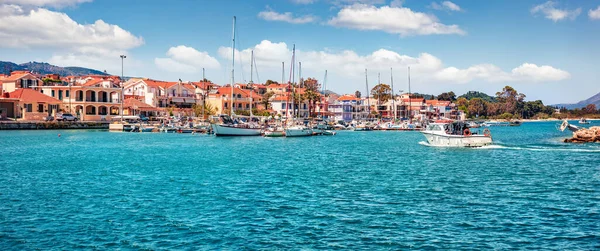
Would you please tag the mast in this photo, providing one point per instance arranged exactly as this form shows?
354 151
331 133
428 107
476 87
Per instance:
368 99
293 79
326 106
300 83
393 99
232 70
287 100
251 65
409 100
203 95
251 86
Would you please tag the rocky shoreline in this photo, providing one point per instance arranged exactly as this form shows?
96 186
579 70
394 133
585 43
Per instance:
585 135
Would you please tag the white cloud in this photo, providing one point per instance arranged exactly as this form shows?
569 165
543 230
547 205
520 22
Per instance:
395 20
551 12
57 30
271 15
532 72
186 60
446 5
44 3
96 45
594 14
346 68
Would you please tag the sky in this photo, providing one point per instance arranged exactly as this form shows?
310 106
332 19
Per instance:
545 49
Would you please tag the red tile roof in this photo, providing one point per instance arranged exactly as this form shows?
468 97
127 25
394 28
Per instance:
157 83
348 98
16 76
227 91
136 104
93 82
437 102
30 96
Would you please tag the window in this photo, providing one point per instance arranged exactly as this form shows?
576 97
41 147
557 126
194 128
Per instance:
67 93
60 94
282 105
53 93
40 108
28 107
240 105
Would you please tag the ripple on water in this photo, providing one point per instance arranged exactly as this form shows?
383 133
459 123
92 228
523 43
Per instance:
377 190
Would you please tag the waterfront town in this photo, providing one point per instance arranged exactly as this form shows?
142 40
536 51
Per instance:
27 96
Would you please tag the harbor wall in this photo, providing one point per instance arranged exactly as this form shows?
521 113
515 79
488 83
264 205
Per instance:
39 125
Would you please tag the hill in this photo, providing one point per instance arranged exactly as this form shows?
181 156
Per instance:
475 94
592 100
45 68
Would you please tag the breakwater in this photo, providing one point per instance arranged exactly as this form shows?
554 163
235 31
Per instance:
39 125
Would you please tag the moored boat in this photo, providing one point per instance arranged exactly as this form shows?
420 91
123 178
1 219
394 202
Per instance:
274 132
455 134
298 131
228 127
583 121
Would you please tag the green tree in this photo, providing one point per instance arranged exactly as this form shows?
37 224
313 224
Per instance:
590 109
511 100
266 99
382 93
357 94
312 94
270 82
477 107
447 96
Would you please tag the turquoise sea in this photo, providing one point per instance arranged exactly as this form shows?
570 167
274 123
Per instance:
355 190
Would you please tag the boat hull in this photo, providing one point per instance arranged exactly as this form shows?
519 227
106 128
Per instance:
224 130
457 140
298 132
274 134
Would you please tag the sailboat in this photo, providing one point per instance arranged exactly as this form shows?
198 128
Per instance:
227 126
296 130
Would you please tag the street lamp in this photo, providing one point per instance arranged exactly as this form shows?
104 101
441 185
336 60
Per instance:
122 86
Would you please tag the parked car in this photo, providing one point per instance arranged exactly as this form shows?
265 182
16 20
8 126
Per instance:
66 117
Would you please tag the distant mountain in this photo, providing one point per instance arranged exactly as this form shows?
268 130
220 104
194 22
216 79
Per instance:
329 92
45 68
592 100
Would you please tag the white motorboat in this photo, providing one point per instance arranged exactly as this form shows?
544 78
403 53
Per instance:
583 121
229 127
274 132
298 131
455 134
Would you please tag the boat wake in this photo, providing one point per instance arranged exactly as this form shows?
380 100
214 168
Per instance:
525 148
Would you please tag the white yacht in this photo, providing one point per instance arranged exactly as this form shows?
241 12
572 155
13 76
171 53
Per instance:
455 134
298 131
229 127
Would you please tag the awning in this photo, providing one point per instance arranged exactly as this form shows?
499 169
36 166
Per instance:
177 100
190 100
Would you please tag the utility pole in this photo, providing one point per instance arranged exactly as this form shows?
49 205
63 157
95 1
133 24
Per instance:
409 99
122 87
393 98
203 93
368 99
